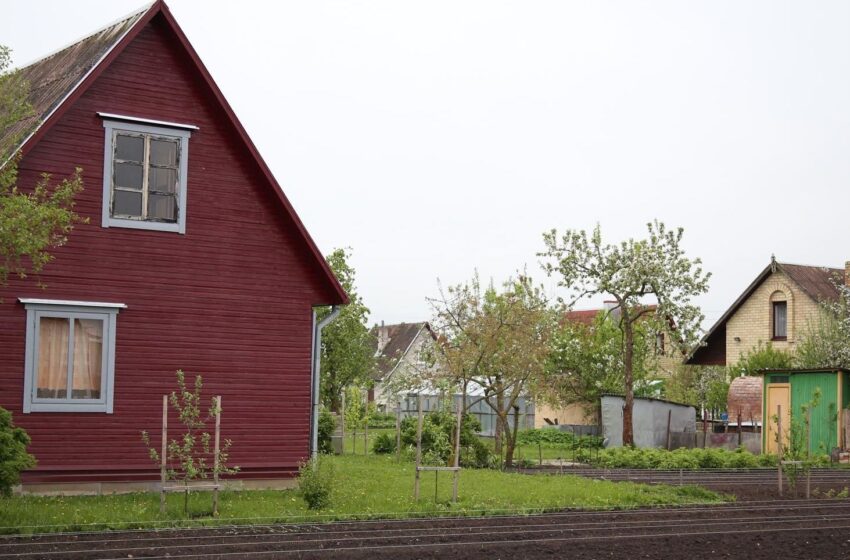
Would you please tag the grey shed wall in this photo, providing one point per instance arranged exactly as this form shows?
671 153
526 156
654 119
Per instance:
649 421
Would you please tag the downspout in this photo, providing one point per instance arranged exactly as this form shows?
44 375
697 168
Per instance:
317 363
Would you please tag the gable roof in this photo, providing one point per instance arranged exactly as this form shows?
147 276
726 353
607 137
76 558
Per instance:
392 342
58 80
814 281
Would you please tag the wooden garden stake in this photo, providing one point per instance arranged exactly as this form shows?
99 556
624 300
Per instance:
216 453
456 473
398 432
366 425
808 451
342 417
779 444
418 446
740 436
164 452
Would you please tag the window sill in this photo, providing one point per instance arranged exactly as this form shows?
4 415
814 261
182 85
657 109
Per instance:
141 224
68 407
779 339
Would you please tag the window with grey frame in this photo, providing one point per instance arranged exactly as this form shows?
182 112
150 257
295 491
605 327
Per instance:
70 354
145 173
145 176
780 320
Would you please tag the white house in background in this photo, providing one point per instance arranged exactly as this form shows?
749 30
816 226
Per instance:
400 350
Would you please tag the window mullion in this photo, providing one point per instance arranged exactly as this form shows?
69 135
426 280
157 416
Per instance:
146 176
70 383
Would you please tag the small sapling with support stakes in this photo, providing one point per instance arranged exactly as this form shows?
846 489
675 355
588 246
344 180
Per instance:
195 454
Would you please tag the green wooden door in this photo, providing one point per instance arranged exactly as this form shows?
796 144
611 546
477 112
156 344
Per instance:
824 416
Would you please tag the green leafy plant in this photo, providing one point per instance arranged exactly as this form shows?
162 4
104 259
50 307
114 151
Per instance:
34 219
686 459
190 456
384 443
327 425
437 435
315 482
13 453
551 437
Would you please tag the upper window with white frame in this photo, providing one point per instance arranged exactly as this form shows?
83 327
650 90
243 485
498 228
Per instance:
70 356
145 174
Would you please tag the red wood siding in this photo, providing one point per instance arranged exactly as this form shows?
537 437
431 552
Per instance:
230 300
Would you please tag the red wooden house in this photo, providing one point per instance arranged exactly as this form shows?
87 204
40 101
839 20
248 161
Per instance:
193 259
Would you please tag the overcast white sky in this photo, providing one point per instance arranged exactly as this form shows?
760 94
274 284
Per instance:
434 138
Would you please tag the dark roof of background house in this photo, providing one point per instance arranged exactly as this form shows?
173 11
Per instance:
588 316
583 316
815 281
400 336
52 78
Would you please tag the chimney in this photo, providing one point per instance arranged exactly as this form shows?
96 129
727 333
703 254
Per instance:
610 307
383 337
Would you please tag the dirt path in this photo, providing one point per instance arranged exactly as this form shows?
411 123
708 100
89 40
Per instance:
756 529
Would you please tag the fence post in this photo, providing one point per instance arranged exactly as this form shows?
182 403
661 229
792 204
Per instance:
398 432
418 446
366 423
456 473
779 444
740 435
808 452
342 416
164 452
669 418
216 462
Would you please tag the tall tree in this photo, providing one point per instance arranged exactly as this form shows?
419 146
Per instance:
348 354
36 219
826 340
629 272
495 341
586 362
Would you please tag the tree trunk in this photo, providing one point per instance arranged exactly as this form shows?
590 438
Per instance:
628 363
500 405
510 438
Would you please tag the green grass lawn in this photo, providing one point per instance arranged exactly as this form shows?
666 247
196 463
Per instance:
363 487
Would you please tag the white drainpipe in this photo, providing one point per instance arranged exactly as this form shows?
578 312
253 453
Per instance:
317 369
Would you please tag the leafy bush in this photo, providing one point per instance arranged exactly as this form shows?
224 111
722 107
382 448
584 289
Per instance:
437 434
315 481
384 443
688 459
553 437
327 425
477 456
13 453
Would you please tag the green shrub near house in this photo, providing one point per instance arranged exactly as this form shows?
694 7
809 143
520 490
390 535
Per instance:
13 453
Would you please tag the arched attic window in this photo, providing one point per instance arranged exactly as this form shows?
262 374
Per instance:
778 316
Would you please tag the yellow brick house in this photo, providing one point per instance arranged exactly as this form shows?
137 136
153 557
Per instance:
776 308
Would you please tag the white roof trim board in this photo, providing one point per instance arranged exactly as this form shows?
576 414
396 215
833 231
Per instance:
36 301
